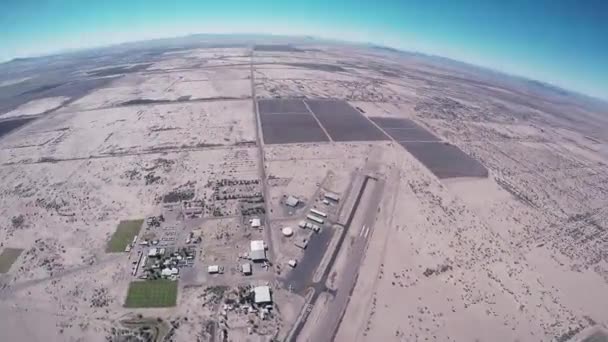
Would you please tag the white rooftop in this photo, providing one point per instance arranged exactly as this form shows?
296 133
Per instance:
257 245
257 255
256 223
292 201
261 294
332 196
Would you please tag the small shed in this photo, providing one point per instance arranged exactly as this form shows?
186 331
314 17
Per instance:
332 196
261 295
256 223
246 268
292 201
301 243
213 269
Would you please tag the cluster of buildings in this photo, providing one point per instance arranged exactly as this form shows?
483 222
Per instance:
257 254
158 263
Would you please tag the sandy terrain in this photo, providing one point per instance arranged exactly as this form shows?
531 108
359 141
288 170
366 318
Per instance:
36 107
518 255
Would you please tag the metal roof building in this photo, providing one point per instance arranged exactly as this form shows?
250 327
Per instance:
258 250
261 295
257 255
292 201
246 268
332 196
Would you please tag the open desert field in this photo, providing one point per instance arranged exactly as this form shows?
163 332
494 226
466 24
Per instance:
300 191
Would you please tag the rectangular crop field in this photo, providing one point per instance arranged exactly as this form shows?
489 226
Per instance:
404 129
8 257
343 122
123 235
445 160
151 294
291 128
282 106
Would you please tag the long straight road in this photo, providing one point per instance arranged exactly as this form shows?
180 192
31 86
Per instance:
359 217
261 158
363 224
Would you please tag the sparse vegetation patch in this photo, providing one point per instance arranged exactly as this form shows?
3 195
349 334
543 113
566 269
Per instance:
123 235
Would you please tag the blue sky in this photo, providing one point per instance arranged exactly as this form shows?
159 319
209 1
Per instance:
562 42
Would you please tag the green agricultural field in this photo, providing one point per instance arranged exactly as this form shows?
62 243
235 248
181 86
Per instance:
151 294
123 235
8 257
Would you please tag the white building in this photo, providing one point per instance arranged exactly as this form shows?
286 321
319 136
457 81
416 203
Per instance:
315 219
292 201
332 196
261 295
318 213
246 268
257 250
256 223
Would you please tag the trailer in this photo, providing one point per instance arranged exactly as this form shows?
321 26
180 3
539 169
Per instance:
315 219
318 213
215 269
332 196
301 243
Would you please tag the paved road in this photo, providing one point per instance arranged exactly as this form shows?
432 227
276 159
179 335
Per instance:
363 224
261 168
319 287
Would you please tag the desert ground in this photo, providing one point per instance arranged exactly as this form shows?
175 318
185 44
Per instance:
472 206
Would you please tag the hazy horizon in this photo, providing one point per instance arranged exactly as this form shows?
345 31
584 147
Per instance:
558 44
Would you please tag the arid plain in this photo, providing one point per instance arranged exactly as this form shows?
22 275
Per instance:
473 206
